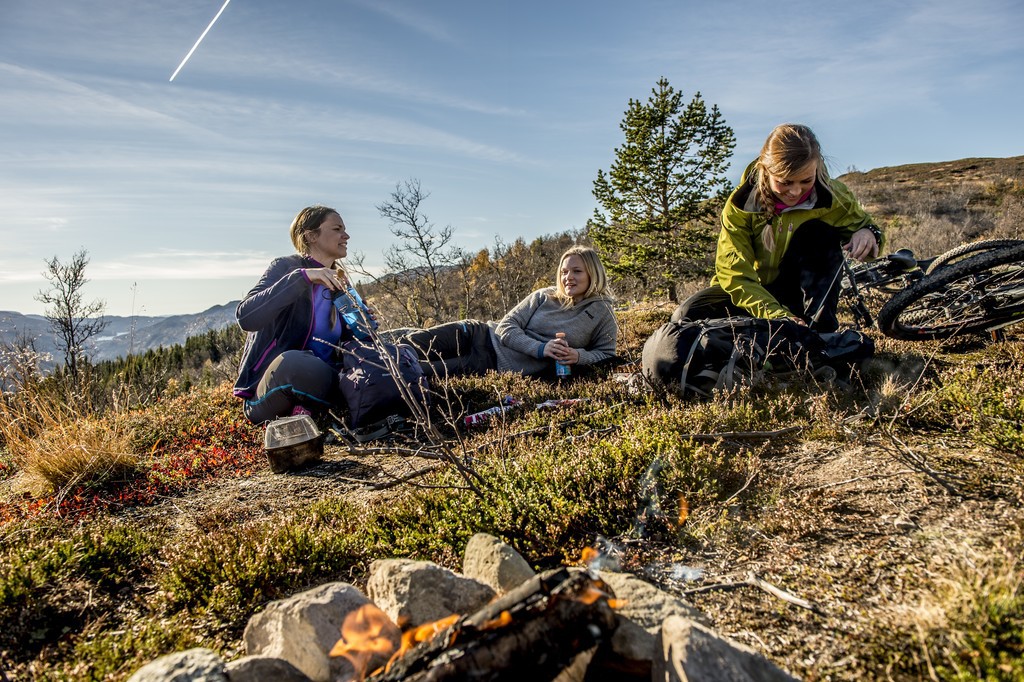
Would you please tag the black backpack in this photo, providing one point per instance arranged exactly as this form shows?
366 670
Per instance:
368 386
698 357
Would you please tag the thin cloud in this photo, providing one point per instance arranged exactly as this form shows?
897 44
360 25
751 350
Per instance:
410 18
180 265
38 98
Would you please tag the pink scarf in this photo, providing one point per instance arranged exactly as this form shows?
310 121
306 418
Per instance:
780 206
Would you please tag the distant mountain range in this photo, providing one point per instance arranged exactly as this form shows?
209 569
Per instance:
122 335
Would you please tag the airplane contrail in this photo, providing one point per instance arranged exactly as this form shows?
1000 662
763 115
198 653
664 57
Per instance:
199 41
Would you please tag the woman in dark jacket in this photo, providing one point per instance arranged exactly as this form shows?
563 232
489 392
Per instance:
300 302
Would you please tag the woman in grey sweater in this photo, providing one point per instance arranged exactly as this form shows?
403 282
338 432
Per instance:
579 306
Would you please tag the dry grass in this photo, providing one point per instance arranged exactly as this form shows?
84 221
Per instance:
933 207
58 442
975 580
79 453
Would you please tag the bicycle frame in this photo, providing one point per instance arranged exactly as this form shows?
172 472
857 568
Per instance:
887 274
974 288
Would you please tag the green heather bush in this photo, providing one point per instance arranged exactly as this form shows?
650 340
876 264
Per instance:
268 560
552 494
55 579
102 653
984 399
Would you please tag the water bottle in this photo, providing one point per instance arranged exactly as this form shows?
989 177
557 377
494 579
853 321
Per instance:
562 369
352 317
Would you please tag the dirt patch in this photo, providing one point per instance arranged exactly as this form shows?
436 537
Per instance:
359 479
872 535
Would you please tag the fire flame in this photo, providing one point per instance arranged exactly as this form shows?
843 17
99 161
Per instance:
596 591
503 619
684 510
366 632
423 633
591 595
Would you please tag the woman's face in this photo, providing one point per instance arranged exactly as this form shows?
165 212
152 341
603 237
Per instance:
575 279
330 242
790 188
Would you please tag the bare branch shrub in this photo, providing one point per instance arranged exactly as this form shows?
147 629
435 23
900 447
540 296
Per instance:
74 322
1009 223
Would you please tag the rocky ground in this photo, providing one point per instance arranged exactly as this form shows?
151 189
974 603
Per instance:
863 541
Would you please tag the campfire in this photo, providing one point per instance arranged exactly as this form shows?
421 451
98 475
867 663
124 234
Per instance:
565 625
532 632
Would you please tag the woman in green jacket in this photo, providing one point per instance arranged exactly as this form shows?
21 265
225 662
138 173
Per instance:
784 231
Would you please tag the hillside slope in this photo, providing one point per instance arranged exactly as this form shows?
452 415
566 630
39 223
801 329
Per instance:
890 506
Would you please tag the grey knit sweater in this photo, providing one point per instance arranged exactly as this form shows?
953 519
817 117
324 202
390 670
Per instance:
520 336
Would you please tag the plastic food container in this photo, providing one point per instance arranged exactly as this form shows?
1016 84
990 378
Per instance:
292 442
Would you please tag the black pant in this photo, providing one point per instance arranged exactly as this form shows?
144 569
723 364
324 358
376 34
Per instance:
452 349
807 283
295 377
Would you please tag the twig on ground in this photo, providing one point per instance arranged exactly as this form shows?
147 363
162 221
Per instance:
750 479
421 452
753 581
590 432
542 429
865 477
922 466
740 435
398 480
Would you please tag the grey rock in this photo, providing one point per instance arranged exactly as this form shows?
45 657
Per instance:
495 563
193 665
264 669
416 592
640 618
303 629
692 652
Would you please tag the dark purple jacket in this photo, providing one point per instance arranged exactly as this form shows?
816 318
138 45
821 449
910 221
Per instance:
278 314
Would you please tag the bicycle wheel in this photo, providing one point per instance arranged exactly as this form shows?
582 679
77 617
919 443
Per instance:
977 294
957 254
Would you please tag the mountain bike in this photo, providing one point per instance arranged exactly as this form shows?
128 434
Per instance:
974 288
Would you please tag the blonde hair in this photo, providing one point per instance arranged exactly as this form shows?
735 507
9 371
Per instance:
595 271
788 149
306 221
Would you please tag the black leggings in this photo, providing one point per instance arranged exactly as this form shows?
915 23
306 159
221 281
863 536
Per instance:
807 284
452 349
295 377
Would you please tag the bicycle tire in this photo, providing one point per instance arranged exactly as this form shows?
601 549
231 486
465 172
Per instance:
978 294
957 254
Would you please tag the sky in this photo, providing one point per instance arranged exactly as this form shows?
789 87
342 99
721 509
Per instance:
181 192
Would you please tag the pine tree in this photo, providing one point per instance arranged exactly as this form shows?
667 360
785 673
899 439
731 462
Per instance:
664 190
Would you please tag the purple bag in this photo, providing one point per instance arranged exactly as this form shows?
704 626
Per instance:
370 391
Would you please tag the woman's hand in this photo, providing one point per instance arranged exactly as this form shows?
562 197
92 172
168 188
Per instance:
863 245
371 311
560 351
329 277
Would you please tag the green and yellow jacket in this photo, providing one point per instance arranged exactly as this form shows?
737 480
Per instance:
744 264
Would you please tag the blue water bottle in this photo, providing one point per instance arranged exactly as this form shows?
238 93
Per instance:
352 317
561 369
